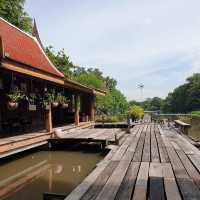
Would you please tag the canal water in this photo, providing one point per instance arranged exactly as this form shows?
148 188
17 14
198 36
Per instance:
27 177
194 131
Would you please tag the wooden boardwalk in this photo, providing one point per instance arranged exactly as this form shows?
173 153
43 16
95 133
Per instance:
151 163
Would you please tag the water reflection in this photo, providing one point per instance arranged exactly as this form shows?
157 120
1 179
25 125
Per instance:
29 176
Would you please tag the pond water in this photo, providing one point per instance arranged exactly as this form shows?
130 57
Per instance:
194 131
28 177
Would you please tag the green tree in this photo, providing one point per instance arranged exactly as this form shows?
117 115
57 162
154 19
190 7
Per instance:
167 106
133 102
13 11
155 104
90 80
60 60
150 104
193 93
185 98
113 103
110 83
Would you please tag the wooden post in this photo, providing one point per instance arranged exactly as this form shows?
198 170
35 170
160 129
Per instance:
49 126
92 108
76 110
0 120
1 48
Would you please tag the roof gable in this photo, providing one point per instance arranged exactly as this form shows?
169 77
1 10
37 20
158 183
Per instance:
24 48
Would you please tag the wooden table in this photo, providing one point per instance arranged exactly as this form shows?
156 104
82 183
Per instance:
182 125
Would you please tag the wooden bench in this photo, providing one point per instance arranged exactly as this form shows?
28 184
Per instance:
182 126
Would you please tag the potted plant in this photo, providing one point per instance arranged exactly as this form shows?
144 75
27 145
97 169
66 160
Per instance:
14 97
31 100
46 104
50 99
53 99
63 101
45 101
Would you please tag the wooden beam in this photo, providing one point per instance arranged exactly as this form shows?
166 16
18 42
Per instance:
20 68
23 69
99 92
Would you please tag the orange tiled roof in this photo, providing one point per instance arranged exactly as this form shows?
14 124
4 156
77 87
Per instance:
24 48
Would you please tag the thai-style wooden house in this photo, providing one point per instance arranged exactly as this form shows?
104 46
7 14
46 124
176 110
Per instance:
25 66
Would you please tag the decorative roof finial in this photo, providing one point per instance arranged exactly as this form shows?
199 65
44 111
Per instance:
35 33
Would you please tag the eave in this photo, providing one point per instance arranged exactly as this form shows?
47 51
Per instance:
27 70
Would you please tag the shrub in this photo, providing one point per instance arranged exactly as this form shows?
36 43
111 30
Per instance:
110 118
136 112
185 118
196 113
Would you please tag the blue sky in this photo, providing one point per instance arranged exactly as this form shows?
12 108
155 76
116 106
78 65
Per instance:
155 42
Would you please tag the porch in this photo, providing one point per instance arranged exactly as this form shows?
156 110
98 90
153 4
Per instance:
27 118
23 142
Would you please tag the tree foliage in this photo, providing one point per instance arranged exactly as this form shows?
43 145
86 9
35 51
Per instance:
90 77
13 11
60 60
113 103
185 98
150 104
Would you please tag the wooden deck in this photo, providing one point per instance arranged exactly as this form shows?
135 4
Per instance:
90 135
19 143
16 144
151 163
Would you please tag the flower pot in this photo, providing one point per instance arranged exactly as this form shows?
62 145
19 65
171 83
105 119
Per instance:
47 107
55 104
83 119
12 105
32 107
64 105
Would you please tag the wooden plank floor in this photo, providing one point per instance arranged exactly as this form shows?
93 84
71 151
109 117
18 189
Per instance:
13 144
92 134
150 163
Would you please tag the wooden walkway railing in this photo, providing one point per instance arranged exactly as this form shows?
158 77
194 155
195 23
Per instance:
151 163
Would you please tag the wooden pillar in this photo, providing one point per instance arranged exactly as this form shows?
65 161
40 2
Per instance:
1 48
76 110
0 120
92 108
49 126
